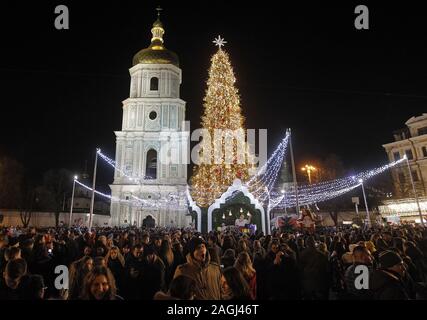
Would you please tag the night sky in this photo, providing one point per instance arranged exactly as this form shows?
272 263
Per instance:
341 90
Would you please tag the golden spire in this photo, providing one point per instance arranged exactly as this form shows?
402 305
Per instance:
156 52
158 32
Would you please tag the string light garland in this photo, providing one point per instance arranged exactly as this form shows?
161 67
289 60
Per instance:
261 184
309 194
138 202
112 163
267 175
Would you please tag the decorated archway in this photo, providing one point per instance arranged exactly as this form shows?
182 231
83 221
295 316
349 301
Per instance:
239 205
237 196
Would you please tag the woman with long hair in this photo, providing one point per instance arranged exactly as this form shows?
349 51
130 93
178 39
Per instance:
99 284
234 285
244 265
116 263
167 256
228 259
78 271
242 246
323 248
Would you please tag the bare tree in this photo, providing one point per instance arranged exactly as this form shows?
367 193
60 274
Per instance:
56 183
11 183
28 199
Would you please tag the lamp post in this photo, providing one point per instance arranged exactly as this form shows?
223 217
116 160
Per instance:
72 201
415 192
92 203
268 227
294 173
308 168
366 202
284 198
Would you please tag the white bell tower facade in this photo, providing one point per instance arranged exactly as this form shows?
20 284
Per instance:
152 147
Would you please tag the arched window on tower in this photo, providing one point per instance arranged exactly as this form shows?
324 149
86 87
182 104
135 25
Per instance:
151 165
154 84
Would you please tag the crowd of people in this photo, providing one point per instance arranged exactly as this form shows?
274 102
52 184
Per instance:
167 264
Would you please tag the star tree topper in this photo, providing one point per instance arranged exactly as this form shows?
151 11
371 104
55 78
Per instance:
219 42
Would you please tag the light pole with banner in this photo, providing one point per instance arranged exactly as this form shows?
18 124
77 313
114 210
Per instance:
355 200
366 203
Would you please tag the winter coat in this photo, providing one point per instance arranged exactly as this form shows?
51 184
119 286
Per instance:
314 272
207 276
350 279
152 278
388 285
252 282
118 271
259 265
282 279
217 249
132 278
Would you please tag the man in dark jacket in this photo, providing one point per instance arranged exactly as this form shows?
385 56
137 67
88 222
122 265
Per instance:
213 244
133 273
282 274
14 271
153 274
387 283
314 272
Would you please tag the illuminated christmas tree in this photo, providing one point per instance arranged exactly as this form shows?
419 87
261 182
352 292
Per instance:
224 153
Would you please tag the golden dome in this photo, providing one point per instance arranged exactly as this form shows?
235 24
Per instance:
156 53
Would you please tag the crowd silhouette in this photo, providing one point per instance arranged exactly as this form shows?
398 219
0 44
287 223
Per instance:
182 264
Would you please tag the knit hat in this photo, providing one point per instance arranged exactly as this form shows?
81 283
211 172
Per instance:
149 250
194 243
389 259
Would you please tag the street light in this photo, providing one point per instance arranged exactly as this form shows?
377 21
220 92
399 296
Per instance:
366 203
72 201
92 202
308 168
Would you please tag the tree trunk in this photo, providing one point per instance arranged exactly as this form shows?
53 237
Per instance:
56 219
25 217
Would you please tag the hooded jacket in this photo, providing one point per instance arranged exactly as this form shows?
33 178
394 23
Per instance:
207 276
